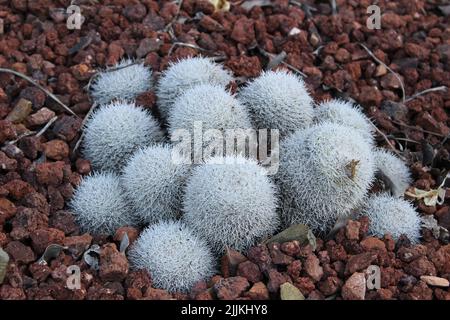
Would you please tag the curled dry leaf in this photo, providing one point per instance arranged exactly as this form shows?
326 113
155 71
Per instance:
299 232
431 197
439 232
4 259
290 292
51 252
91 256
221 5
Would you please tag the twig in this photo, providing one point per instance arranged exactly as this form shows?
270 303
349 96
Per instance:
421 93
49 123
387 67
86 118
388 141
333 7
271 56
417 129
51 95
23 135
175 18
403 139
188 45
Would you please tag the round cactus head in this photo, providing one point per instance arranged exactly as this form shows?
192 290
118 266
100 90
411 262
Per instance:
99 205
325 172
391 215
115 131
278 100
231 202
347 114
153 182
185 74
175 257
125 80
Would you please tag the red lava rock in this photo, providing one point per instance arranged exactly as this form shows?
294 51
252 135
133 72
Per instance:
83 166
41 117
419 292
131 232
230 262
278 257
352 230
7 210
243 31
305 285
9 293
63 220
408 254
56 149
67 127
245 66
20 252
157 294
26 221
420 267
135 12
276 279
6 163
7 131
50 173
417 51
370 96
18 188
250 271
294 269
312 267
36 200
78 244
355 287
231 288
42 238
291 248
39 271
113 264
261 256
330 285
371 243
31 146
258 291
359 262
138 280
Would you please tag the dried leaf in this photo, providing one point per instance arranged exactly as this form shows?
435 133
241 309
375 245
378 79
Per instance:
22 109
220 5
351 168
431 197
51 252
4 259
249 4
299 232
439 232
91 256
290 292
276 60
124 243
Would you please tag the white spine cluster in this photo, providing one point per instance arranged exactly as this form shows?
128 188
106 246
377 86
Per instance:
231 202
115 131
325 172
99 205
154 183
125 80
347 114
175 257
393 171
186 74
391 215
278 100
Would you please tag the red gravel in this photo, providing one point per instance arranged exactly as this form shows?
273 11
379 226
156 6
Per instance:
39 173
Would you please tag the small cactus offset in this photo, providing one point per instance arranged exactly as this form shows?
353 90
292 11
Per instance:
124 81
278 100
99 204
391 215
115 131
231 202
325 172
175 257
393 171
154 183
185 74
345 113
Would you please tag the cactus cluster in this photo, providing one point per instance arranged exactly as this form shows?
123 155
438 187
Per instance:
328 163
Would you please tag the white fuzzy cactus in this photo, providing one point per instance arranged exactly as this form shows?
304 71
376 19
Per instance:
185 74
99 205
278 100
175 257
325 172
115 131
154 183
345 113
124 81
230 202
393 171
391 215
